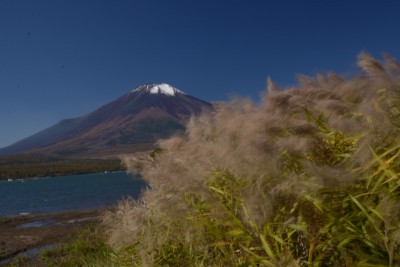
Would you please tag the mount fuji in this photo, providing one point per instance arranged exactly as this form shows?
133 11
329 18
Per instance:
131 123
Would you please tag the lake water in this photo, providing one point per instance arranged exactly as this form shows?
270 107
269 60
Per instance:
67 193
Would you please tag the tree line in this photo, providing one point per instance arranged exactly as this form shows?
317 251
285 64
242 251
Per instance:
13 167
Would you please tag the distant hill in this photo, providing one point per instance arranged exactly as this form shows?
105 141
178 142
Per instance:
131 123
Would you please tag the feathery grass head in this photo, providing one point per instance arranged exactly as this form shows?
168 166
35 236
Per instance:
309 176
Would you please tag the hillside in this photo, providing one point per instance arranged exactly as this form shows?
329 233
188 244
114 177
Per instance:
131 123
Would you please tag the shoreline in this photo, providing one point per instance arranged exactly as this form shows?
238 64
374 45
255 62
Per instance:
55 175
21 233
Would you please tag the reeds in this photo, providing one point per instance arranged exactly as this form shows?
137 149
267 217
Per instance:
310 177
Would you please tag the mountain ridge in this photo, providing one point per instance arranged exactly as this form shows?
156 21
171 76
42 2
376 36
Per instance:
130 123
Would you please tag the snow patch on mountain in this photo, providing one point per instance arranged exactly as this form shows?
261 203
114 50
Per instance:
162 88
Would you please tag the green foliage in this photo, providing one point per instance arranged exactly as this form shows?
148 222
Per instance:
19 261
88 248
330 147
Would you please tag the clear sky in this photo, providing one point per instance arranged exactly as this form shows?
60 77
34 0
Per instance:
63 58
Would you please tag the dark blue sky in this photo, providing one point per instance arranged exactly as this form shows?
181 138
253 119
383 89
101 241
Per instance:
62 59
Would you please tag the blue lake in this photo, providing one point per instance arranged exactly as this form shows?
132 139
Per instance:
67 193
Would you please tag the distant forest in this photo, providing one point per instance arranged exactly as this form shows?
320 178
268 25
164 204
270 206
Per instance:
13 167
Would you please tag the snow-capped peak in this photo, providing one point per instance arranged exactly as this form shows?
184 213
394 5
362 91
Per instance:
162 88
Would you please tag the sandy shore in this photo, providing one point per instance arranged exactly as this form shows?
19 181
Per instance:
24 232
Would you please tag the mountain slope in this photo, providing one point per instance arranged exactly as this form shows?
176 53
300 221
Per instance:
128 124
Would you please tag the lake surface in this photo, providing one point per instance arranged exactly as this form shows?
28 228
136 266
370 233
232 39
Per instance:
67 193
